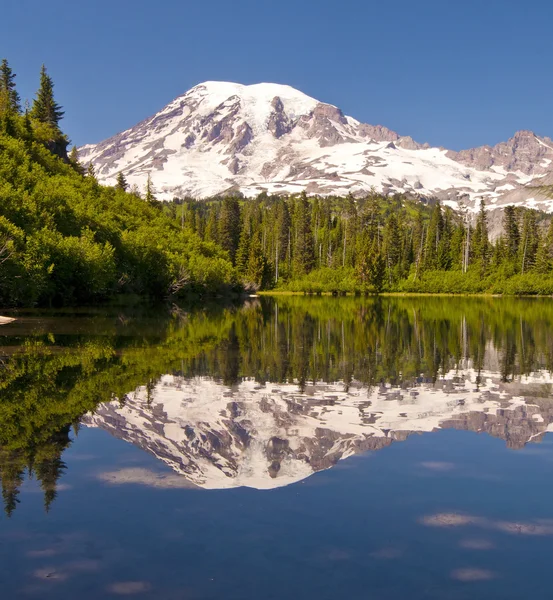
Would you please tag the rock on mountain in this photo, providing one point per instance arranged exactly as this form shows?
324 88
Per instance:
221 137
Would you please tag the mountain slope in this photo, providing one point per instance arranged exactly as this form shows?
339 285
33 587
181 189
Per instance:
268 137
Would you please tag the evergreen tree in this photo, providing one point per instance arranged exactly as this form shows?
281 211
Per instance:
529 241
544 255
433 236
303 243
243 251
121 182
392 244
45 108
211 231
149 191
371 268
257 264
74 161
9 98
91 172
511 231
229 226
480 241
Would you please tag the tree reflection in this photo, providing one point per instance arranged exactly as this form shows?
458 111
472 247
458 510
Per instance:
48 384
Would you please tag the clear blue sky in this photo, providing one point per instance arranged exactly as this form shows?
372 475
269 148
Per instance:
456 73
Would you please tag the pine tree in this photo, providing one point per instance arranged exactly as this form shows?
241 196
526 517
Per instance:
149 191
433 237
74 161
529 241
257 264
121 183
45 108
303 243
480 241
91 172
229 226
371 267
392 244
9 98
544 255
511 231
243 251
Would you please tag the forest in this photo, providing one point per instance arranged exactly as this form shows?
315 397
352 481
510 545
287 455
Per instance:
65 239
373 244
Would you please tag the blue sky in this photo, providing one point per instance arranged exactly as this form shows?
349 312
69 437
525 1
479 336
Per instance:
450 72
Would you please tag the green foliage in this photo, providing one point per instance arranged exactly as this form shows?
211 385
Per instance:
65 239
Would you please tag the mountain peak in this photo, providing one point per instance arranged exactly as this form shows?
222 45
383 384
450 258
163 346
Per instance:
270 137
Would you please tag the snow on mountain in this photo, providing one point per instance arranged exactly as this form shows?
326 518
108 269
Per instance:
268 137
271 436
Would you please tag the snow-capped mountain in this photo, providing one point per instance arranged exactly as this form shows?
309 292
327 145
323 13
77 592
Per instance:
274 435
222 136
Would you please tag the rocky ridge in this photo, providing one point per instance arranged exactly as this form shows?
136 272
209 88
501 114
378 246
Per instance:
220 137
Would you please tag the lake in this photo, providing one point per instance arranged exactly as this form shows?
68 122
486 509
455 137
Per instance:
286 448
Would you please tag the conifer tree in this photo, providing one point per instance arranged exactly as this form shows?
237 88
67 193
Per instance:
511 231
9 98
529 241
45 108
303 243
480 241
229 226
243 251
544 255
392 247
91 172
433 237
149 191
211 232
74 161
121 183
257 264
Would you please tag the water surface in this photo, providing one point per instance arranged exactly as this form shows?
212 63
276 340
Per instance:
290 448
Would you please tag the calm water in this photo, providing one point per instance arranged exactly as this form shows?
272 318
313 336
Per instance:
297 448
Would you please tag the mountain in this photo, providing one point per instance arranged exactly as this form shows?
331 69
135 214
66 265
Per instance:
220 137
268 436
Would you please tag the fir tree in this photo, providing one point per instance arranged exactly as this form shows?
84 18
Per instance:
45 108
511 231
121 183
229 226
257 264
529 241
243 251
91 172
433 237
9 98
480 242
544 255
149 191
74 161
303 243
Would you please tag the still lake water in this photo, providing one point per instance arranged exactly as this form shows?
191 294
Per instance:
291 448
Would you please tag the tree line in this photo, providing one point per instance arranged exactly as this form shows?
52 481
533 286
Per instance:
373 244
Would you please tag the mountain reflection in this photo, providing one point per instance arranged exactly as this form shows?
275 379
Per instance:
267 394
267 436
